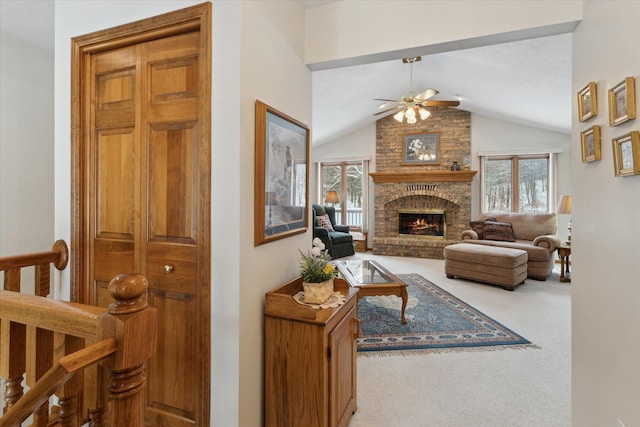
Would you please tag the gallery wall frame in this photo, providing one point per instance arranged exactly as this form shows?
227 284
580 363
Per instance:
421 149
590 143
588 102
281 193
622 102
626 154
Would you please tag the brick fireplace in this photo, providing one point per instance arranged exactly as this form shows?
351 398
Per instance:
425 189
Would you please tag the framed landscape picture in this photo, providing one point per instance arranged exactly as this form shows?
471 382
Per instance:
421 149
281 175
587 102
622 102
590 139
626 154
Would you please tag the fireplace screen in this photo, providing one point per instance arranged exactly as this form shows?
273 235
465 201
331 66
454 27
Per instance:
428 223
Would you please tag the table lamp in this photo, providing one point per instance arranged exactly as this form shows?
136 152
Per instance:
564 207
332 197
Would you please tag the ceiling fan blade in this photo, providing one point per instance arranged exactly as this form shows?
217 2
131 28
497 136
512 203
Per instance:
387 100
426 94
398 107
440 103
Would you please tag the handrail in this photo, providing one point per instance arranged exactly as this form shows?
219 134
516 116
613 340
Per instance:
54 315
58 255
54 378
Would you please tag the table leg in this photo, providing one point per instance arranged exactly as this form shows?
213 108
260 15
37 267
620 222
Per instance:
405 298
562 268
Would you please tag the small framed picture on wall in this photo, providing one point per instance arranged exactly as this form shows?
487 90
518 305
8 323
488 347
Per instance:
587 102
626 154
590 140
622 102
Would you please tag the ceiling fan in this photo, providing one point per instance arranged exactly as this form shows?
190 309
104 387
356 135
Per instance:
410 106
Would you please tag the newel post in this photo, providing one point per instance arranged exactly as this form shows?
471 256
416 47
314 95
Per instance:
134 325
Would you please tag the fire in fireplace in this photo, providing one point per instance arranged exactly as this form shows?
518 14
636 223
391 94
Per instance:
422 222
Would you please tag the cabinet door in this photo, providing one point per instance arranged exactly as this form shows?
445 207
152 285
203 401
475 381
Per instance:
342 369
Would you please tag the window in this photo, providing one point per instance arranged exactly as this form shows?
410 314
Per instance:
517 183
349 180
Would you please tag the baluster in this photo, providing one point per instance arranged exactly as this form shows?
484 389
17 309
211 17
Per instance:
13 391
70 394
12 358
96 377
40 345
134 325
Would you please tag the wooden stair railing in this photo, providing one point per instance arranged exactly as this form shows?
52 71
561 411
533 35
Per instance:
49 343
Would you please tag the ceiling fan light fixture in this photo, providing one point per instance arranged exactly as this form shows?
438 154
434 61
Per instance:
423 113
411 120
399 116
410 113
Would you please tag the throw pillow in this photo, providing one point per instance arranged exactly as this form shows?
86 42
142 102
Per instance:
324 222
478 226
502 231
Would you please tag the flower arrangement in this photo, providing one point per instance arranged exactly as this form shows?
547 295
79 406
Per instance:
314 265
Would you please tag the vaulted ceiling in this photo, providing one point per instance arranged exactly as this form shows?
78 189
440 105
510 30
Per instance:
526 82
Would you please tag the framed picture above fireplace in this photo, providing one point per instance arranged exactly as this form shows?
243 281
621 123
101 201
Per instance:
421 149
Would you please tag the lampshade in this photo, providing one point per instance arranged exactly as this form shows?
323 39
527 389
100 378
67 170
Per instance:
332 197
564 207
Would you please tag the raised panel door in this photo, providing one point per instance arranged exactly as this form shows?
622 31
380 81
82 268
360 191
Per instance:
147 197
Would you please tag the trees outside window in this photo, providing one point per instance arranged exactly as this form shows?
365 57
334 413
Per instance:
516 184
348 179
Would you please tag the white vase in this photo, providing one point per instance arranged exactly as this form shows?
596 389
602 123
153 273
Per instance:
317 293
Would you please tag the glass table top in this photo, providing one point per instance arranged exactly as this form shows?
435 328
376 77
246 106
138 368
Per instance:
364 272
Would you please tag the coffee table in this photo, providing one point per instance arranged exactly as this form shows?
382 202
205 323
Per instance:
372 279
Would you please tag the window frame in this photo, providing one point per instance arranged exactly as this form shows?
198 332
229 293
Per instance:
343 164
550 157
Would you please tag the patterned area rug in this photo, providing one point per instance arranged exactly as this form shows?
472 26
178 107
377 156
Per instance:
436 321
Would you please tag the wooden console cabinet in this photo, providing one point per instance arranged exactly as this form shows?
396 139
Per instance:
310 359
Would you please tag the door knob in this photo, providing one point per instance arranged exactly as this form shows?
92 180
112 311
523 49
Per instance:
168 268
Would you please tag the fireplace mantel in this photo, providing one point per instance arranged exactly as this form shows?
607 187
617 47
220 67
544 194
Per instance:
429 176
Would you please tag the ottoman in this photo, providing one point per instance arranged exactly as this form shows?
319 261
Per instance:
490 264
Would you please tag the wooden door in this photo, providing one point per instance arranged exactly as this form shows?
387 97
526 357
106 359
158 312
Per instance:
145 181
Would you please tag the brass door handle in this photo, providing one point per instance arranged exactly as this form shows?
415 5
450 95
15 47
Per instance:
168 268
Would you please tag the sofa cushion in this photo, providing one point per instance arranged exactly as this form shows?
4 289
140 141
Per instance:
478 226
526 226
501 231
324 222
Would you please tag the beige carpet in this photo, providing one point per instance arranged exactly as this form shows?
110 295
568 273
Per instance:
519 388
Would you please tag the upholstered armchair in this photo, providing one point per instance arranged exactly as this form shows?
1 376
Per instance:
335 237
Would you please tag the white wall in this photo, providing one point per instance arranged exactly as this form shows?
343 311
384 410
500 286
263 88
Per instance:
26 147
226 153
273 71
606 230
349 32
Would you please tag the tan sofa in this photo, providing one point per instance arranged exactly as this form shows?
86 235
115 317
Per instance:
534 233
